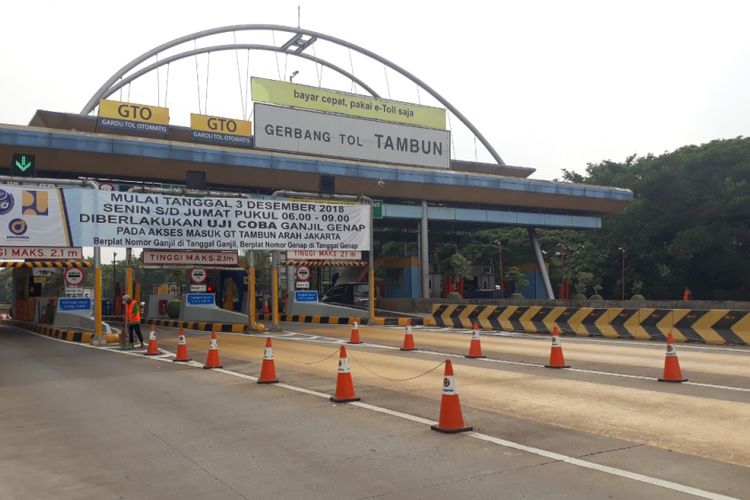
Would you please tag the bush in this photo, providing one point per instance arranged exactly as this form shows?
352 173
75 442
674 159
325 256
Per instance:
596 296
637 297
173 309
517 295
454 296
579 296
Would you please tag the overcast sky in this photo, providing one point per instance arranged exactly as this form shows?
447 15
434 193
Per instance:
551 84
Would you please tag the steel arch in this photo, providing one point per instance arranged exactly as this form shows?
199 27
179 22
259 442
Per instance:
298 32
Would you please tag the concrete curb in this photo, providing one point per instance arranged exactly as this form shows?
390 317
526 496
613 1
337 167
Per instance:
58 333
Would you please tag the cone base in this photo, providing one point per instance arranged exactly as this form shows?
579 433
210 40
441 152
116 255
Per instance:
344 400
274 381
451 431
350 342
474 357
550 366
206 367
151 353
181 360
408 348
673 381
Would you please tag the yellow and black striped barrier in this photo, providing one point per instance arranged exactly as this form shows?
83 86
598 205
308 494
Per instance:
204 326
61 264
713 326
59 333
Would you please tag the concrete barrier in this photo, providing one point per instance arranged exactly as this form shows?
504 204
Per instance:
712 326
77 313
202 307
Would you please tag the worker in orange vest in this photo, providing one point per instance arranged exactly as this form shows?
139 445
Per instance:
133 318
687 294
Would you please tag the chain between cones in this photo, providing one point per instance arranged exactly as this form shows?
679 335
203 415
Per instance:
396 379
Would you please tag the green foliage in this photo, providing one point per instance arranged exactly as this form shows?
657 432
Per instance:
596 297
688 224
637 297
517 295
454 296
583 280
515 275
459 266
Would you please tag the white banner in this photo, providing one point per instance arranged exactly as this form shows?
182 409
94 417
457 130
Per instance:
323 255
30 217
297 131
155 221
30 253
187 258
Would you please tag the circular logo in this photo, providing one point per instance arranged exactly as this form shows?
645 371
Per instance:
18 226
106 186
446 382
6 202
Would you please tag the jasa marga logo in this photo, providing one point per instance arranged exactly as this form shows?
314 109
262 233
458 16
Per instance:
6 202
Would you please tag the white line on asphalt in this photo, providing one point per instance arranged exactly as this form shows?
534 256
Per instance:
477 435
593 340
318 339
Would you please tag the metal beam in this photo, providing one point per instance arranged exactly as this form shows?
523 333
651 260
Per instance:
107 86
540 261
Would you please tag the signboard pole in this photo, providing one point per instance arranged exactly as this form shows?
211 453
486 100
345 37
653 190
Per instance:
371 261
129 272
98 297
275 293
251 289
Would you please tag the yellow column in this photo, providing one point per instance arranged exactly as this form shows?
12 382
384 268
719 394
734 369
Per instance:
251 296
275 298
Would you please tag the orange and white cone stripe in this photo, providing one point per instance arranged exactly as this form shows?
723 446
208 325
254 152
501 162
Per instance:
451 417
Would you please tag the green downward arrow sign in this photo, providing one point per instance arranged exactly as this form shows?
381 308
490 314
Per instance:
23 165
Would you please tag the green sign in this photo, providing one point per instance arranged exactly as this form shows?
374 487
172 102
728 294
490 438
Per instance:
23 165
377 209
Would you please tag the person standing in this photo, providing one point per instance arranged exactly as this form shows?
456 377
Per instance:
133 318
687 294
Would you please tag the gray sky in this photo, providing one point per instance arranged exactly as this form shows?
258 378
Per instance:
551 84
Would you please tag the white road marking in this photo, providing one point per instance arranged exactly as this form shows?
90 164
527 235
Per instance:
634 476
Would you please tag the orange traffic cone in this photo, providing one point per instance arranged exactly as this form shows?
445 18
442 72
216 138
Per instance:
153 348
344 384
268 369
182 352
451 418
354 337
672 372
408 338
266 307
556 359
212 360
475 348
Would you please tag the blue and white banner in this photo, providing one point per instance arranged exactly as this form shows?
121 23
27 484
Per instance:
65 217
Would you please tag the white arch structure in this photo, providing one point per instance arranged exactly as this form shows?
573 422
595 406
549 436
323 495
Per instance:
300 40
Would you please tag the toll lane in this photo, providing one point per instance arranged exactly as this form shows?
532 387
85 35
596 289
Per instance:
83 422
673 417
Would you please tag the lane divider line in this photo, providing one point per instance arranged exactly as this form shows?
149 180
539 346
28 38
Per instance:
634 476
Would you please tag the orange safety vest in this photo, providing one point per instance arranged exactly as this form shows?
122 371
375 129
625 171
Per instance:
132 312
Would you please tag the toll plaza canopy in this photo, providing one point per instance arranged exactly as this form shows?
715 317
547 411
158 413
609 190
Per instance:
70 146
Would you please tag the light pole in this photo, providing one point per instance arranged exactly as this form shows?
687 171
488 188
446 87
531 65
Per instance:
500 266
622 275
564 282
114 276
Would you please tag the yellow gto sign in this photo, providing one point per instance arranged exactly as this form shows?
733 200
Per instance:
332 101
220 125
133 112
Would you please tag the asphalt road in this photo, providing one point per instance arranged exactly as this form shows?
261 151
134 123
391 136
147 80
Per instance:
82 422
